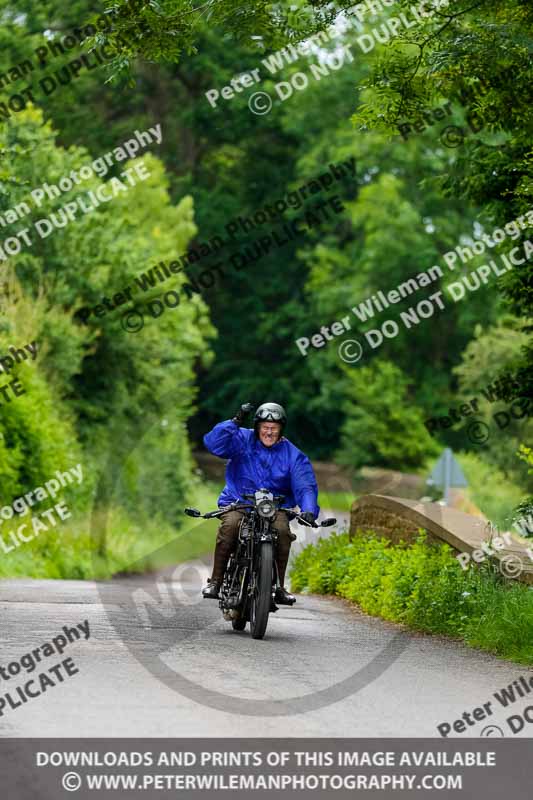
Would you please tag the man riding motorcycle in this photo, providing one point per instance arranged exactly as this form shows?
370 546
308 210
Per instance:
260 458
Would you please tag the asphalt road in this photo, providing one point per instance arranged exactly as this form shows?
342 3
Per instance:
182 671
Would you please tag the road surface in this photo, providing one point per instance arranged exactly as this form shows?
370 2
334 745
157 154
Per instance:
120 689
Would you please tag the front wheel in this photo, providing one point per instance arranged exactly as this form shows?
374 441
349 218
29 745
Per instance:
260 604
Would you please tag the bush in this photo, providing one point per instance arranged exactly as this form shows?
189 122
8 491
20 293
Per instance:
382 426
422 586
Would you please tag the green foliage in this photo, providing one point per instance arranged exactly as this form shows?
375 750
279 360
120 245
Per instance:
526 454
491 489
526 506
451 55
491 354
123 400
338 500
382 427
424 587
37 434
166 29
70 551
95 390
391 230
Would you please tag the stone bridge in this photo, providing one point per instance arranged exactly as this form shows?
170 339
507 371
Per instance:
397 518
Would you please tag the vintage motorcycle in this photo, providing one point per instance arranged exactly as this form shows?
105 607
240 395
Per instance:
251 577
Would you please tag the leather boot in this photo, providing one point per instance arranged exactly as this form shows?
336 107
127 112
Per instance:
211 590
282 596
220 561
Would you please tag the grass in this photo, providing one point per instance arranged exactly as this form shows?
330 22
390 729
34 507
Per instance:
69 551
337 501
423 587
493 493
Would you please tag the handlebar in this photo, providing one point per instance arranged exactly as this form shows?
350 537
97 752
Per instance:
193 512
277 497
326 523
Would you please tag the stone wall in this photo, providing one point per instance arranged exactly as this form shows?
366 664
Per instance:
384 523
332 478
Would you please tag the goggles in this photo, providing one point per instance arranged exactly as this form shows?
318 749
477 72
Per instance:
269 415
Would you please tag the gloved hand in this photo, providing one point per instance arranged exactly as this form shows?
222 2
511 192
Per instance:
308 516
242 413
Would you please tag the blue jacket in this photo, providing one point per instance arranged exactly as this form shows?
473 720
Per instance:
282 468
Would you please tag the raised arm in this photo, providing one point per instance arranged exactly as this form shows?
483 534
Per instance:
226 440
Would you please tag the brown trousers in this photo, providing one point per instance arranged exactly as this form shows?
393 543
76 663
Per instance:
227 540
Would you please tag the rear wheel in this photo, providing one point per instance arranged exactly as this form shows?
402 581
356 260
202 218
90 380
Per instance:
238 624
260 603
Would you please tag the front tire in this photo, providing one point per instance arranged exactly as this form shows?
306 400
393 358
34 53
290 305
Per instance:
260 605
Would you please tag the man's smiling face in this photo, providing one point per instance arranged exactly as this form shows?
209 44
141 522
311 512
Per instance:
269 433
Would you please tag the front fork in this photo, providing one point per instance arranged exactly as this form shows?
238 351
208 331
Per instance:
268 534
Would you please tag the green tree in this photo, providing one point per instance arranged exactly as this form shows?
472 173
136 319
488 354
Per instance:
104 381
382 425
488 358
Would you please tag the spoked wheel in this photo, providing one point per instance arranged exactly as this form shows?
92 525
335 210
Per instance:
260 601
239 624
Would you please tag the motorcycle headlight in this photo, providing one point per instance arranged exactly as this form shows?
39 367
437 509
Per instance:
266 508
